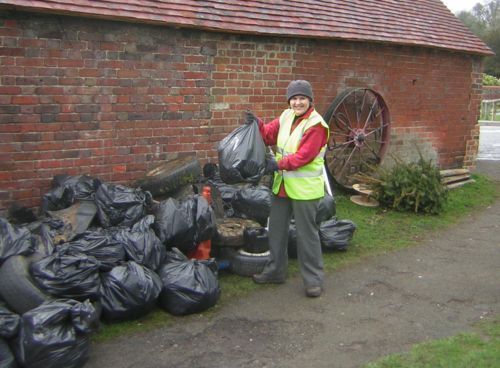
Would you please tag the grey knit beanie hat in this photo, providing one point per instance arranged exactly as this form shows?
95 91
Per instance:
299 87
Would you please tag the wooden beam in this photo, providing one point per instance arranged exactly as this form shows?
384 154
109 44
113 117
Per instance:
459 184
451 179
451 172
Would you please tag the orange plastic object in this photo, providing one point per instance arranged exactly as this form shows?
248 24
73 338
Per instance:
202 251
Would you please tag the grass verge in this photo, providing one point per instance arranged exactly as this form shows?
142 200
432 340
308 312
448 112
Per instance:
478 349
377 231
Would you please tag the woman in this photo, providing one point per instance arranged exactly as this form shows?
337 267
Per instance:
300 135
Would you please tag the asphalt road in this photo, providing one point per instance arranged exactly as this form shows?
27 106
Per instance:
489 142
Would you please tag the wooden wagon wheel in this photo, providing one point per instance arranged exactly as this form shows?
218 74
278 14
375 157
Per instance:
359 124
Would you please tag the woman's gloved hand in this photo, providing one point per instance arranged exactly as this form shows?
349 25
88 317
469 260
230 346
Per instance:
250 117
271 166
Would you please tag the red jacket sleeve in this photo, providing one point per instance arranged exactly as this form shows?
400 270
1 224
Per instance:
269 131
311 143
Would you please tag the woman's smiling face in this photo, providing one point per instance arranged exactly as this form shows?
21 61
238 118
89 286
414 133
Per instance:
300 104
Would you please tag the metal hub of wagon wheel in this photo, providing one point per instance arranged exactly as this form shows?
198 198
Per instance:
359 124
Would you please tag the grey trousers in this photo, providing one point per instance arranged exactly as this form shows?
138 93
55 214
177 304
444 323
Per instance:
309 253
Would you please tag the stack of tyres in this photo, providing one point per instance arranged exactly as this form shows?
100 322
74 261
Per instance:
256 240
254 254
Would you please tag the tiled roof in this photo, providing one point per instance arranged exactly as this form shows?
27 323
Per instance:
410 22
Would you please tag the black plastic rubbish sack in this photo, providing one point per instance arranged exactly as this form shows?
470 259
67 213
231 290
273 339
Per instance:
205 220
67 189
336 234
9 323
184 224
226 191
14 240
141 244
189 285
7 359
68 274
101 244
242 155
227 195
43 238
18 214
175 224
253 202
326 209
118 205
129 291
55 334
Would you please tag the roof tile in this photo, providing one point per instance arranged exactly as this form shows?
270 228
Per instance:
414 22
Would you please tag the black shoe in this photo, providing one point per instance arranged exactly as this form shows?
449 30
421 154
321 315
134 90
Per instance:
314 291
261 278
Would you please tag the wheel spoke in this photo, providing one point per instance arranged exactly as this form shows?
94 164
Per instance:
362 105
373 151
376 130
347 115
343 135
346 144
380 110
347 161
343 146
369 113
339 117
356 110
342 149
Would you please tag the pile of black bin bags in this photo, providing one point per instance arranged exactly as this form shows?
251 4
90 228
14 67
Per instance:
56 285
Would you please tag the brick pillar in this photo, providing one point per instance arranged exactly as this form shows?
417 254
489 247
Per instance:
474 108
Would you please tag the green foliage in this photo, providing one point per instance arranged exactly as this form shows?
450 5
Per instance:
489 80
484 22
413 186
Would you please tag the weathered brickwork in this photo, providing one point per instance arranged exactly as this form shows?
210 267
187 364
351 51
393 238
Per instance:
114 99
491 93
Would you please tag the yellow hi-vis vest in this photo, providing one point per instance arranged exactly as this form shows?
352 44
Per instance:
307 182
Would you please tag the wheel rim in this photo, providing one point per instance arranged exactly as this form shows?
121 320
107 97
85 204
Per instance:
359 124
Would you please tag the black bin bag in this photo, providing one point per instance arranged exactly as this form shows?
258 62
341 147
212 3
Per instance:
55 334
336 234
14 240
67 189
189 285
326 208
42 236
9 322
242 155
100 244
184 224
253 202
68 274
7 359
141 243
118 205
129 291
204 219
175 223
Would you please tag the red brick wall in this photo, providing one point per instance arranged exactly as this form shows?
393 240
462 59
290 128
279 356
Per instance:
114 99
491 92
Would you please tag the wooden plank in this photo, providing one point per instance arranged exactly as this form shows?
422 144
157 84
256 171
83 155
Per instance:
459 184
362 188
451 172
452 179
